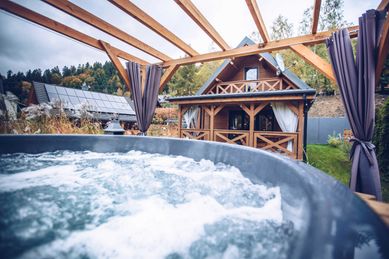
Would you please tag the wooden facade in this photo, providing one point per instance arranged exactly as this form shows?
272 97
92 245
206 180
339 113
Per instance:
234 110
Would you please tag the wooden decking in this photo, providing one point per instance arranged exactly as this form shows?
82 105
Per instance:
381 208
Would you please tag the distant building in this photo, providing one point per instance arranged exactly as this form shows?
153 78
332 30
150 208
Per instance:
8 106
103 107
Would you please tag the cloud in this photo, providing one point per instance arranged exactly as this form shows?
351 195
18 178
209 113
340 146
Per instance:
24 45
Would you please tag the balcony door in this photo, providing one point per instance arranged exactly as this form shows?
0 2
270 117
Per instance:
251 73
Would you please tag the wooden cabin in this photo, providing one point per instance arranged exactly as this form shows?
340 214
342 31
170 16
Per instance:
248 101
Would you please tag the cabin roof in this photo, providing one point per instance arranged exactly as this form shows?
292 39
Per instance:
267 57
294 92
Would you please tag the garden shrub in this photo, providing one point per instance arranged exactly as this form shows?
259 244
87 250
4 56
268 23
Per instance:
334 140
381 139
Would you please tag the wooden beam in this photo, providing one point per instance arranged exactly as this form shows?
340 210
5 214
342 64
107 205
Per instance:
98 23
241 100
383 4
312 58
319 37
316 15
256 14
116 62
34 17
383 49
167 75
201 21
134 11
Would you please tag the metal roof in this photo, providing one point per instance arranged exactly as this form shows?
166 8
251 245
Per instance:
266 56
102 105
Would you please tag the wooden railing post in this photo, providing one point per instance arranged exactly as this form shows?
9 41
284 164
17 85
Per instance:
252 120
212 123
179 120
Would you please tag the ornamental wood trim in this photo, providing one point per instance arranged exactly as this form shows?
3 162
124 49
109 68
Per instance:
196 134
243 86
263 140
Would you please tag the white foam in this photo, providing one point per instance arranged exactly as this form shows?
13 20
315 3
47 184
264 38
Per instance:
140 205
54 176
156 228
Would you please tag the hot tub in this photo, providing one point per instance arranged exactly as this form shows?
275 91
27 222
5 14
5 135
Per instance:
330 221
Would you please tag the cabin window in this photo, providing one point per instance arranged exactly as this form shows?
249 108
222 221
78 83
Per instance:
238 120
266 120
251 73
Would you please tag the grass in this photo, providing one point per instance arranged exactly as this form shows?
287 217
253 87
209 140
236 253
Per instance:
335 162
331 160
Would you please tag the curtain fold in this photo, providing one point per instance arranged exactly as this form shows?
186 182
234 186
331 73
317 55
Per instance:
144 105
356 80
190 117
286 118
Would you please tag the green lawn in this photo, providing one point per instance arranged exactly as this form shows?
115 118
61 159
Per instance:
335 162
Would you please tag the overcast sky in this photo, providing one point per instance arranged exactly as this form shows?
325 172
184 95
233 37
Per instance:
24 45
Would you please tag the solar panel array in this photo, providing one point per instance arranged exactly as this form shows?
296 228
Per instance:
96 102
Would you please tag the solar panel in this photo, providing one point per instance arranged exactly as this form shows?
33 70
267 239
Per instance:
97 102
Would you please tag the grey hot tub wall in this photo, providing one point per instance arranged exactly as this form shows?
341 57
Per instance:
329 218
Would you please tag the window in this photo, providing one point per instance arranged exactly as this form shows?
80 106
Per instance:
238 120
251 73
266 121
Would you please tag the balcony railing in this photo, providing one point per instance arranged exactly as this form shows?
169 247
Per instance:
275 141
195 134
270 84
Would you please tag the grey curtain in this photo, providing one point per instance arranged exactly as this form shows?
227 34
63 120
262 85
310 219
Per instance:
144 105
356 82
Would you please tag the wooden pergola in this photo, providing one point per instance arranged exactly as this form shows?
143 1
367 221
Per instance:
298 44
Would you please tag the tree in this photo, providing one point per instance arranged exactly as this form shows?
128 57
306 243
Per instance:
183 81
281 28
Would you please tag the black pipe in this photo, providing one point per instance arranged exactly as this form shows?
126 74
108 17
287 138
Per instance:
305 128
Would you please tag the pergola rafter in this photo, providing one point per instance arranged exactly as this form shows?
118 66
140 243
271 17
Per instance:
152 24
116 62
44 21
256 14
85 16
316 61
258 48
316 15
194 13
298 44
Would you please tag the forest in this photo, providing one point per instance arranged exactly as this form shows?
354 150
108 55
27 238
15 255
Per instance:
188 79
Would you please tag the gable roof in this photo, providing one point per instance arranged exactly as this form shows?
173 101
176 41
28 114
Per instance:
267 57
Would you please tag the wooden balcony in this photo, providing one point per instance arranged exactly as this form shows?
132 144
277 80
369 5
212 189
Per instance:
274 141
197 134
243 86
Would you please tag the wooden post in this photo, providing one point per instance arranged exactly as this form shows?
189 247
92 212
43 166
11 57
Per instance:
212 123
252 121
179 120
300 131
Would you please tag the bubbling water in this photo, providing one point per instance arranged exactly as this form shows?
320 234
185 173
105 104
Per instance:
135 205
